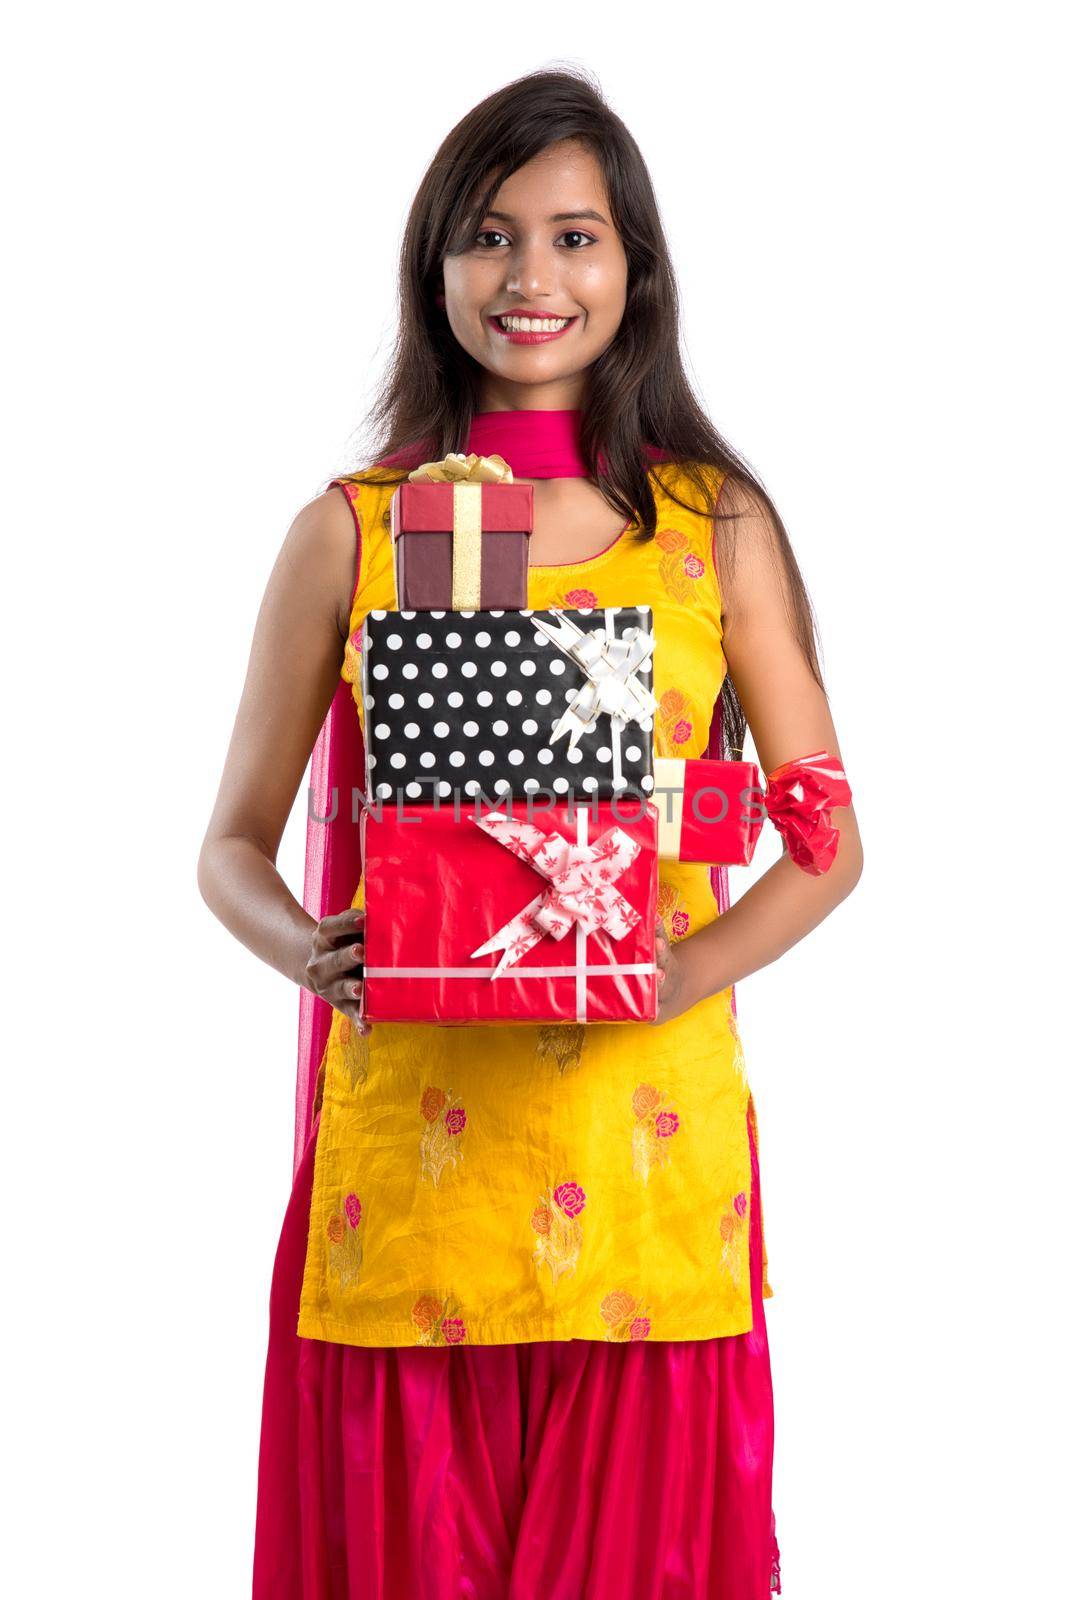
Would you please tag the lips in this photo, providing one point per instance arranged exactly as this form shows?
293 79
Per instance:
530 335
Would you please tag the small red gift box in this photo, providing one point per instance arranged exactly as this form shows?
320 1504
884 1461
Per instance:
523 914
461 546
710 811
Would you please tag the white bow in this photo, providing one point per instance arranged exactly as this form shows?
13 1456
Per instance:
611 686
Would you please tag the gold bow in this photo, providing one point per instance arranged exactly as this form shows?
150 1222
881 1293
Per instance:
466 474
457 468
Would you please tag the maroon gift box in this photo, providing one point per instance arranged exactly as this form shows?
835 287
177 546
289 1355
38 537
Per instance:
710 811
437 888
421 524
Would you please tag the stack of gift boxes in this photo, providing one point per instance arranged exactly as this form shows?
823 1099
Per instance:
515 811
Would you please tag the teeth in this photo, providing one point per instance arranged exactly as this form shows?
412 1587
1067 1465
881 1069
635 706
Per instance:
533 324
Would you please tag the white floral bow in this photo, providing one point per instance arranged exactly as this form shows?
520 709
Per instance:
611 666
581 893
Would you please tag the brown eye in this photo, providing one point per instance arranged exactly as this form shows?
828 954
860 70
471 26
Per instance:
489 233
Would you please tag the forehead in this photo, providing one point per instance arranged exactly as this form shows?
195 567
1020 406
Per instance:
565 178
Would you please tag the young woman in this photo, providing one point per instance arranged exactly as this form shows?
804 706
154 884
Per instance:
449 1410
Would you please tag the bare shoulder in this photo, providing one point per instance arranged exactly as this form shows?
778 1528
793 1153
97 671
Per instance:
323 531
319 555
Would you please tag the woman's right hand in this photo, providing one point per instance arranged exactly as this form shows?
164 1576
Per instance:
335 967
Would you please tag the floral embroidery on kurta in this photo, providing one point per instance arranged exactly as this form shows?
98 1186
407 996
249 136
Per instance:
678 565
732 1025
656 1122
581 599
732 1231
345 1240
625 1319
355 1052
557 1229
351 665
442 1142
438 1321
676 921
561 1042
673 724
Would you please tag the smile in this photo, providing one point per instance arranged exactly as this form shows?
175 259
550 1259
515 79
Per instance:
531 330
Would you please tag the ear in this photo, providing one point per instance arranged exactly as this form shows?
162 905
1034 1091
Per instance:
439 298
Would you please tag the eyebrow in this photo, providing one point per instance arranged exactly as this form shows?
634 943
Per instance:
558 216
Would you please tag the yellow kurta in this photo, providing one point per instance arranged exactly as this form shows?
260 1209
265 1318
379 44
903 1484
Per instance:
489 1185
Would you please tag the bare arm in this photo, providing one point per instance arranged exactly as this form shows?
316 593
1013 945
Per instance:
789 716
296 656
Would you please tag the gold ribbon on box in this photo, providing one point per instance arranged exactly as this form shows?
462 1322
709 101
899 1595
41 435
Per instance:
669 789
467 474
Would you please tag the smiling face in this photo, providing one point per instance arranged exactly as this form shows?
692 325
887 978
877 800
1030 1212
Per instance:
547 251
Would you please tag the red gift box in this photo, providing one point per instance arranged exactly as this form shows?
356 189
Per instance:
461 546
464 905
710 811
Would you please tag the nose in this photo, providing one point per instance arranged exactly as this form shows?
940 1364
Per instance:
532 271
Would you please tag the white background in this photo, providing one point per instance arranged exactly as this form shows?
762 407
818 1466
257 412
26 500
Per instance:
864 207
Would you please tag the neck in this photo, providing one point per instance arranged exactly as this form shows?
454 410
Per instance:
566 394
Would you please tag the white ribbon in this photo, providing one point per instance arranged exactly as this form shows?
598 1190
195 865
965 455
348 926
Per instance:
612 687
581 972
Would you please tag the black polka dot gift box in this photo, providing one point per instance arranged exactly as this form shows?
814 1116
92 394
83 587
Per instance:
461 703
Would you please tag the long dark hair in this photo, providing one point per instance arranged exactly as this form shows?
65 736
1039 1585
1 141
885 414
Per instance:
637 392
